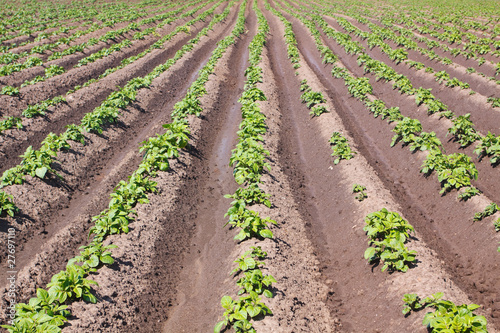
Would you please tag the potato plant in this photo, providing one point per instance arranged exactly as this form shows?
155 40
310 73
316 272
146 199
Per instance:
7 207
447 317
360 190
248 161
340 147
388 233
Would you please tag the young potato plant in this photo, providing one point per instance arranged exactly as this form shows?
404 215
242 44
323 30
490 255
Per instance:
311 99
406 130
491 209
253 280
463 130
249 222
360 189
248 260
359 87
253 283
43 313
424 96
447 317
426 141
37 163
494 101
9 123
93 256
70 284
40 108
239 312
489 145
469 193
9 90
7 207
388 233
378 108
340 147
251 195
454 170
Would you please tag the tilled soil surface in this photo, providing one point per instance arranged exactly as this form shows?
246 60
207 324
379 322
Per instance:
172 268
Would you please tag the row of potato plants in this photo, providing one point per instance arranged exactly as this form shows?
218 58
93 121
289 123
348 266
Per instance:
37 163
404 40
463 129
388 232
83 13
249 162
470 50
33 61
54 70
407 43
451 34
40 108
399 55
49 310
454 170
377 37
475 48
34 14
11 57
450 17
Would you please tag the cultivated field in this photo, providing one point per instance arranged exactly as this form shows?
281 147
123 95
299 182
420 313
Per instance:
250 166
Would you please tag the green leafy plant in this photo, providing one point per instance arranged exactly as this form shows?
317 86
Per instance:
37 163
318 110
388 233
495 102
468 193
491 209
94 255
7 207
248 260
250 195
454 170
406 130
360 189
53 70
425 141
340 147
463 130
447 316
9 90
71 284
489 145
9 123
359 87
249 222
239 312
43 313
312 98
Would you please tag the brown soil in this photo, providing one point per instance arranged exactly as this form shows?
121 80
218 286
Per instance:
171 269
